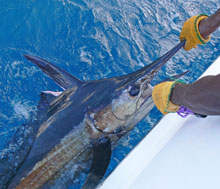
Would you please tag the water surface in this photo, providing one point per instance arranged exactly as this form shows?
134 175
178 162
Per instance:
91 40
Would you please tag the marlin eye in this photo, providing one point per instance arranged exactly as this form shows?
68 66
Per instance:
134 91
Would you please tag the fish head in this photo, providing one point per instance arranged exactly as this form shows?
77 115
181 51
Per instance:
131 100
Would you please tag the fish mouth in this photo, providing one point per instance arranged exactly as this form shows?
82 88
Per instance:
147 73
146 95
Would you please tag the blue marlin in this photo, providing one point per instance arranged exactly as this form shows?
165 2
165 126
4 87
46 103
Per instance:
83 123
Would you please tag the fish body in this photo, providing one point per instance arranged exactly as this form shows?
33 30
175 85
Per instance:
83 123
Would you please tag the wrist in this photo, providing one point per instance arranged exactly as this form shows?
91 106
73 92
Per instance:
177 94
203 29
201 19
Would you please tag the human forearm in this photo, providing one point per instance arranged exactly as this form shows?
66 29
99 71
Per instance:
210 24
202 96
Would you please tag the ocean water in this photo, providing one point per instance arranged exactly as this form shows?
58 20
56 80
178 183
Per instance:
92 40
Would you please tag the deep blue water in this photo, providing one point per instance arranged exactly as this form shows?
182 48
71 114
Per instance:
91 40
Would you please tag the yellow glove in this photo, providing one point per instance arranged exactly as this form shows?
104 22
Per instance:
190 32
161 96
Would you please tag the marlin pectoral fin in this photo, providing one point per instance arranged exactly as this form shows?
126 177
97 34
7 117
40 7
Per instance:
175 77
179 75
101 158
61 77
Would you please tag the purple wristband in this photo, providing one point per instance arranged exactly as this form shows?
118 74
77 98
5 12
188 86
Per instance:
184 112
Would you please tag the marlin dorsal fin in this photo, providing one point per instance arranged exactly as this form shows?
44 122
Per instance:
64 79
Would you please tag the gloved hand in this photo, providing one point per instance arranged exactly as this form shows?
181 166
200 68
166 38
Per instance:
161 96
190 32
